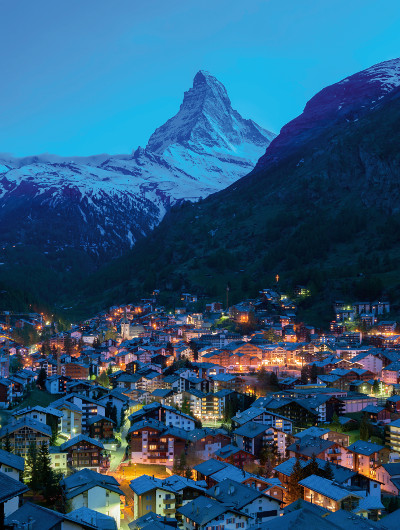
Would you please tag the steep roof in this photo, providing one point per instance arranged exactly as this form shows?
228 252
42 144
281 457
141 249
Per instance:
9 459
86 479
10 488
326 488
365 448
80 438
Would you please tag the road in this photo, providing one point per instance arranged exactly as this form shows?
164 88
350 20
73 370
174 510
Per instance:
118 455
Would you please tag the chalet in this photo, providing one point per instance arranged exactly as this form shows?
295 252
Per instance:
6 392
163 413
163 496
376 414
231 454
206 441
325 493
367 457
24 432
101 428
152 442
71 421
389 476
89 489
204 513
260 506
84 452
252 437
308 446
261 415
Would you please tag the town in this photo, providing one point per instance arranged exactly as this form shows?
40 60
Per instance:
229 417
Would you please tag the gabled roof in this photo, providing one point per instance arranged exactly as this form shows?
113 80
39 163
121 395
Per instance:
203 509
10 488
174 484
251 429
309 445
9 459
85 479
98 417
236 494
26 422
326 488
341 474
80 438
41 518
87 516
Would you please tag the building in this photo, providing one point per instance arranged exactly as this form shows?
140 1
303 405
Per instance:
204 513
84 452
24 432
95 491
163 496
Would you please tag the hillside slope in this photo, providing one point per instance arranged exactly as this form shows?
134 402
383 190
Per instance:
326 213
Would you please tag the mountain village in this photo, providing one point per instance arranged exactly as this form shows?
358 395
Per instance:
229 417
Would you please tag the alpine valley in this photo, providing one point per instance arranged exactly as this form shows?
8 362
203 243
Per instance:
321 208
66 215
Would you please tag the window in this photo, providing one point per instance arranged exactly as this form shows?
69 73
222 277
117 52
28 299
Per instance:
148 507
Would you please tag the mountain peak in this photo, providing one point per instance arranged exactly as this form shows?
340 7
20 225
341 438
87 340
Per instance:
206 122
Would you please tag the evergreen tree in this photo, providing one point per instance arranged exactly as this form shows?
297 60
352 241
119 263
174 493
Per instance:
365 429
48 479
175 467
31 467
7 446
376 387
182 463
109 370
122 417
41 378
114 414
314 373
336 423
188 472
328 472
273 380
294 490
312 467
103 380
108 410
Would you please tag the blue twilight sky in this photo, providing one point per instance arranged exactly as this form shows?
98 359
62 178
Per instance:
81 77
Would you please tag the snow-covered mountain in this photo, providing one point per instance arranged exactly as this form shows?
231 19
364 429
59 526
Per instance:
104 203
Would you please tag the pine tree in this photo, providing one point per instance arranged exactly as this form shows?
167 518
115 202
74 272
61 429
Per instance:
336 423
365 429
41 378
294 490
376 387
273 380
48 479
182 463
31 467
114 414
312 467
314 373
108 410
7 446
328 471
188 472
